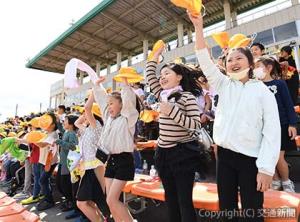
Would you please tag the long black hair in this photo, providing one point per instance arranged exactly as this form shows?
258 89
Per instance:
189 77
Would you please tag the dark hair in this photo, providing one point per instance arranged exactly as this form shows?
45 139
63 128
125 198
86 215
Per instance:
139 103
287 49
189 77
62 107
54 120
248 54
276 71
71 120
99 119
259 45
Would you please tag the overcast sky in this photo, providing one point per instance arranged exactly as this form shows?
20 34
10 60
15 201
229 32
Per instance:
27 27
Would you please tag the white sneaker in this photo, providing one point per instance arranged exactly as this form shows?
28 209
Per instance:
276 185
288 186
22 195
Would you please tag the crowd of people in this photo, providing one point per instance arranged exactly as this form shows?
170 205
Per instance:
246 101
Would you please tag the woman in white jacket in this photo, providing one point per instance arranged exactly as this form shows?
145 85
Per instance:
246 130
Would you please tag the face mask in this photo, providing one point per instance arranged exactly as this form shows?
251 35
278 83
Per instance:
259 73
239 75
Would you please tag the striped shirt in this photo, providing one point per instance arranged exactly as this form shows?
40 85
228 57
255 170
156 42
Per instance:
179 126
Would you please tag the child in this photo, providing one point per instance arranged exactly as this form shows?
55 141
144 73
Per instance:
293 81
68 142
246 130
118 138
178 154
257 50
269 71
90 195
45 147
36 168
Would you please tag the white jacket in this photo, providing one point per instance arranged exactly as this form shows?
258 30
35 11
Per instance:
247 119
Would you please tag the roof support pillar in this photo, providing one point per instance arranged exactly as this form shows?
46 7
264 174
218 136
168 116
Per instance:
98 68
50 102
180 34
108 69
145 48
129 60
234 18
119 60
227 14
55 103
295 2
190 36
81 76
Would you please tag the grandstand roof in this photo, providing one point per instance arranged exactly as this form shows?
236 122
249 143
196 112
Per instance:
120 26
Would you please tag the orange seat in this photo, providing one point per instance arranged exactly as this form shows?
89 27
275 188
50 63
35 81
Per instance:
297 109
10 210
205 196
138 178
6 201
297 141
2 195
284 203
152 190
24 216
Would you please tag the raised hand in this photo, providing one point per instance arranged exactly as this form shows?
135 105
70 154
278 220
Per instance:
100 80
197 21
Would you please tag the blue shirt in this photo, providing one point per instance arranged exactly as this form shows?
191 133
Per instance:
286 110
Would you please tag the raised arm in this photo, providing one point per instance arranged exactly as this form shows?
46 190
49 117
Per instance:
88 111
79 123
214 76
129 104
151 74
100 93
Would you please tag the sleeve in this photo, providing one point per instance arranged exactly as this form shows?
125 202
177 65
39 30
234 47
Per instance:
215 78
190 120
129 110
100 96
152 79
69 144
288 103
271 135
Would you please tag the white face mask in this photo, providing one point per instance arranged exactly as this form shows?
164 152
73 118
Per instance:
239 75
259 73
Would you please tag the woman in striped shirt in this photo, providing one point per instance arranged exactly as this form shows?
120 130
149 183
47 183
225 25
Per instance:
177 156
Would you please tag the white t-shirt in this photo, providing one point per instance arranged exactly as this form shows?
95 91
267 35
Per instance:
51 138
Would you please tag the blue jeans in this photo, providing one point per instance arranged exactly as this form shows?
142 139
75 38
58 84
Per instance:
37 169
45 182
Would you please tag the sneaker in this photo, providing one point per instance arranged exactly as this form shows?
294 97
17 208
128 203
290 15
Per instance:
276 185
30 200
22 195
288 186
44 205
